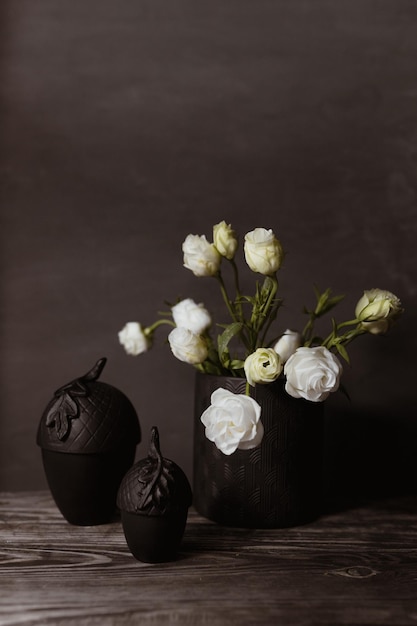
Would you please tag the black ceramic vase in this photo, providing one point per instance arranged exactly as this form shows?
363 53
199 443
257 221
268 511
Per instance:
154 498
278 483
88 435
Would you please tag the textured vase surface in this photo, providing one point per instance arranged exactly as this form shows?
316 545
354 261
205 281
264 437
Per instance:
277 484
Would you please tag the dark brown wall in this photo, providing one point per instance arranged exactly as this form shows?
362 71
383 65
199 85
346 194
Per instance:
127 125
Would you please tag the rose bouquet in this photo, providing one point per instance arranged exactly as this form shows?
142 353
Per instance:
247 345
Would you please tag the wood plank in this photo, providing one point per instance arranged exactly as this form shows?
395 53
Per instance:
351 567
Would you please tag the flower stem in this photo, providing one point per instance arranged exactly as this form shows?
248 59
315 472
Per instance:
226 299
348 323
238 299
236 315
265 310
150 329
334 338
272 317
308 329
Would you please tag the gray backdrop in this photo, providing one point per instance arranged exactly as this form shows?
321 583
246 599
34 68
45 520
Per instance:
127 125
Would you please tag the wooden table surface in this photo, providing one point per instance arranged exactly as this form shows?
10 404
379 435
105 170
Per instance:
356 567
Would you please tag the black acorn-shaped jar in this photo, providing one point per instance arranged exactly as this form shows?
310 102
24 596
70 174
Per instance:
88 434
154 498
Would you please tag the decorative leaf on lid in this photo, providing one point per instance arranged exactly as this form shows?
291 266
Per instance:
65 407
63 410
155 477
154 486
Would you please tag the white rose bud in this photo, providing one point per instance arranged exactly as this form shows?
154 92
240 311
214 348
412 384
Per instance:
200 256
312 373
288 344
263 251
187 346
262 366
192 316
133 339
377 310
225 240
233 421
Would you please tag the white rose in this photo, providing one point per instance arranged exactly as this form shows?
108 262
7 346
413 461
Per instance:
377 310
225 240
263 252
288 344
133 339
232 421
192 316
187 346
262 366
312 373
200 256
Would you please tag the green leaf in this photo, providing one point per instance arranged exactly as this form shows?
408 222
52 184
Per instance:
335 300
210 368
324 302
223 340
321 301
343 352
331 303
317 292
236 364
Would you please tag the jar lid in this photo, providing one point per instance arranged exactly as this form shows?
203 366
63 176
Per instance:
154 486
87 416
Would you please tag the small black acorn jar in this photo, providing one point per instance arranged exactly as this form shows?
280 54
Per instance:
88 435
154 498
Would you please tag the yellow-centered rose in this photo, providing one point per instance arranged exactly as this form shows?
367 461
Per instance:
262 366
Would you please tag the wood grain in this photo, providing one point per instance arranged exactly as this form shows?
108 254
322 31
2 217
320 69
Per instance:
356 567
